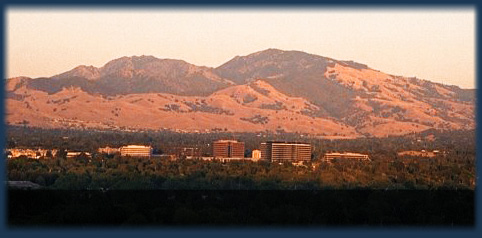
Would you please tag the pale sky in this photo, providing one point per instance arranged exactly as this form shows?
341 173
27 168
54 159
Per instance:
436 44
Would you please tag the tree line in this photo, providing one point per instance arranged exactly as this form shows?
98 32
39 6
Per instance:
455 168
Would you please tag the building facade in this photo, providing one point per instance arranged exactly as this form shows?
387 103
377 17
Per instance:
285 151
228 149
108 150
30 153
136 151
73 154
256 154
345 156
187 152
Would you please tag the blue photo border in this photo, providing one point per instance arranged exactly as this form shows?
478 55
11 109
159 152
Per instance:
440 232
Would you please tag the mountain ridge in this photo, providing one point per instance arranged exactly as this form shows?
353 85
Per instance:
272 90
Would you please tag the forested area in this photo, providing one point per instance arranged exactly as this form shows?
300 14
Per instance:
112 190
141 173
88 140
142 192
455 168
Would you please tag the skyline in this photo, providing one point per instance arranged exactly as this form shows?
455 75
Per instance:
435 44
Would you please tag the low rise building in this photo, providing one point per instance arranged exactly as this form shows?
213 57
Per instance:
73 154
328 157
108 150
30 153
223 159
163 156
136 151
185 152
226 159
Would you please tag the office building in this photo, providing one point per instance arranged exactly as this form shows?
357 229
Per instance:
73 154
285 151
136 151
228 149
345 156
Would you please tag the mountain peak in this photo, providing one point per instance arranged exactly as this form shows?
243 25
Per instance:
139 63
274 52
271 63
271 51
129 60
89 72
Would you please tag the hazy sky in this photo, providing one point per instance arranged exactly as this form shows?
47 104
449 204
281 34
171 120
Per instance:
433 44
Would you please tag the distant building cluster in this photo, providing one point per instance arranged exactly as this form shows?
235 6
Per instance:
30 153
128 150
222 150
232 150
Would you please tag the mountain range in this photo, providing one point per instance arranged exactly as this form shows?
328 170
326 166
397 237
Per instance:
271 90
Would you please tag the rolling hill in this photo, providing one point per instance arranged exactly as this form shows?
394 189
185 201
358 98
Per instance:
271 90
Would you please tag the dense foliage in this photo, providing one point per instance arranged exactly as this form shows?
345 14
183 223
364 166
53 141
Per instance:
88 140
142 173
112 190
453 169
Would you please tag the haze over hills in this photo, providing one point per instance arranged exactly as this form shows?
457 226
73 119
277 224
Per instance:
271 90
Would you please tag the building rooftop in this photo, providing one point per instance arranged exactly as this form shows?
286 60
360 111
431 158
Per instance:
347 153
137 146
288 142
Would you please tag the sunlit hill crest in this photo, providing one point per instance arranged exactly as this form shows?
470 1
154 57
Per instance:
271 90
